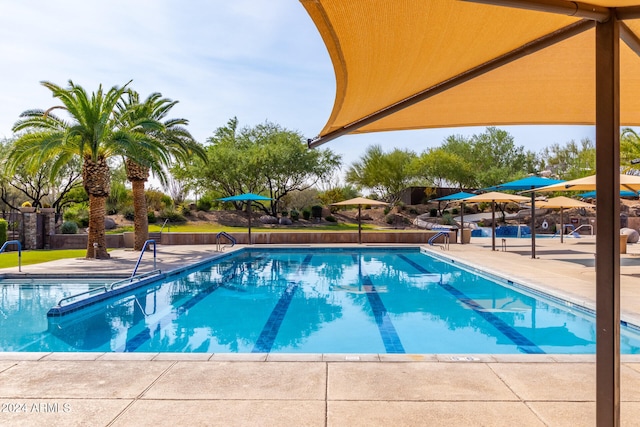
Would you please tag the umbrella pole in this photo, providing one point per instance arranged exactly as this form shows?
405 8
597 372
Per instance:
533 225
493 225
462 223
561 225
359 225
249 212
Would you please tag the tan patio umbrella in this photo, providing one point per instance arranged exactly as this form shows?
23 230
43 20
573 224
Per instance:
359 201
588 183
493 197
416 64
562 202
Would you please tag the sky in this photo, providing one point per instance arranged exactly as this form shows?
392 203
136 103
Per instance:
255 60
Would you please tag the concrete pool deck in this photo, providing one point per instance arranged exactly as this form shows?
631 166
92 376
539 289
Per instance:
124 389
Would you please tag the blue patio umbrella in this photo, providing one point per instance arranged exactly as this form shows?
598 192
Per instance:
246 197
623 193
528 183
461 195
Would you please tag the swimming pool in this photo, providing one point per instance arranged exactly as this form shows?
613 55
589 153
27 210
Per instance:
307 300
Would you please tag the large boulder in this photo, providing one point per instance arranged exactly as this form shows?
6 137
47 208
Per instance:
109 223
268 219
632 235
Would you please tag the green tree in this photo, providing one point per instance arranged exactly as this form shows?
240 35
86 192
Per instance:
571 160
440 168
169 140
629 151
93 133
263 159
385 173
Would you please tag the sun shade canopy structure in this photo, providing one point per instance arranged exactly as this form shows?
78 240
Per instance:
416 64
246 197
562 202
528 183
623 193
495 197
588 183
359 201
455 196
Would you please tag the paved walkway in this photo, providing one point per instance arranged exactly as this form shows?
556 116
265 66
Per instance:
329 389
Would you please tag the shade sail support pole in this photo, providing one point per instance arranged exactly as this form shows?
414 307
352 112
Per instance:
533 224
608 227
521 52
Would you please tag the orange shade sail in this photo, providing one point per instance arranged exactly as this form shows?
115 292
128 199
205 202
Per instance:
389 53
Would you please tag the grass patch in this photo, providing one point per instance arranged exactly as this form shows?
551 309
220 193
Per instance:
10 259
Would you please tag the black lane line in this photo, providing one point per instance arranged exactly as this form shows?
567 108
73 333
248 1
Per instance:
388 333
522 342
272 326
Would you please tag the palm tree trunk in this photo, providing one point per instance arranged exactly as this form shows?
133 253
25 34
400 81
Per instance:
97 235
140 218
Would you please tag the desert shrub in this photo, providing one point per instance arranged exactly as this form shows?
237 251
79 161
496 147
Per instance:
447 219
204 204
295 215
387 209
165 202
151 217
433 212
454 211
172 215
128 213
316 211
78 213
390 218
401 206
184 209
4 225
284 214
413 211
306 214
69 227
330 218
155 199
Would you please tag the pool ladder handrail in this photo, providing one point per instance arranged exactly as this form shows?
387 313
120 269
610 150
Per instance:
445 234
14 242
228 236
144 248
110 287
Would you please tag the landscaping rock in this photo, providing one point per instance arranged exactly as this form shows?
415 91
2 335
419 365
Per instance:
109 223
632 235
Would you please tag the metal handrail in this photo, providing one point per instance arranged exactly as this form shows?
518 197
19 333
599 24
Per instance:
228 236
445 234
108 288
131 279
585 225
14 242
101 289
165 223
144 247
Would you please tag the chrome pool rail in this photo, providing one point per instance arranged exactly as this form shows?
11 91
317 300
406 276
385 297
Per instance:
101 293
445 235
14 242
228 236
144 248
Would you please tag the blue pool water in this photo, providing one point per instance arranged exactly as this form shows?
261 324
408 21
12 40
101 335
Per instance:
306 301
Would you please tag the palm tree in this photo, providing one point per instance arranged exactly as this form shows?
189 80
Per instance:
171 141
93 132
